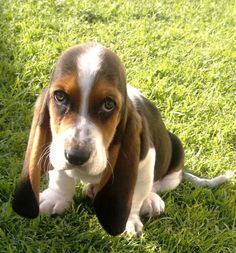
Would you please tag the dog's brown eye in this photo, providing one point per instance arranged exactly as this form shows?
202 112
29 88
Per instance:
108 105
60 97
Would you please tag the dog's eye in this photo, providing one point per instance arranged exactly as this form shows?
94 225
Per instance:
108 105
107 108
60 97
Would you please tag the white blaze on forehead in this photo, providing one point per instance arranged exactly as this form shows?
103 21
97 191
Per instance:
88 65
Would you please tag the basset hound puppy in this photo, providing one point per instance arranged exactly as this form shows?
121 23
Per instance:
89 125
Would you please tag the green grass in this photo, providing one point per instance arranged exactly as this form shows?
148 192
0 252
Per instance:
182 55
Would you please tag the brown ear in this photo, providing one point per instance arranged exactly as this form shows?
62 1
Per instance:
112 203
25 201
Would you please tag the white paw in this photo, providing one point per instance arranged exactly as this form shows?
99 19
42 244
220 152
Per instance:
134 226
90 191
153 205
53 202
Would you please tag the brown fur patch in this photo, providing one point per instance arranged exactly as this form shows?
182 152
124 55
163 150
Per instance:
40 136
112 158
69 85
100 91
26 197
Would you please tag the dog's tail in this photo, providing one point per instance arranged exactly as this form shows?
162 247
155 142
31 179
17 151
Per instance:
211 183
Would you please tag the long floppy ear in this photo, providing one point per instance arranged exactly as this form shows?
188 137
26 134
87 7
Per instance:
112 203
25 201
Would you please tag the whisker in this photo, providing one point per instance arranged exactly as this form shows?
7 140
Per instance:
44 157
47 161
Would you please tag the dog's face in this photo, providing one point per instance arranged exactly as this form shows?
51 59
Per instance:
85 107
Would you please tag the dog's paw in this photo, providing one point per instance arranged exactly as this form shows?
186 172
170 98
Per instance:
89 191
153 205
53 202
134 226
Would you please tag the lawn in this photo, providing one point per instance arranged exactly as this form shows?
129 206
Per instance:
182 55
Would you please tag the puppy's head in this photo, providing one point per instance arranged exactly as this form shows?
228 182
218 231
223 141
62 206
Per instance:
87 98
90 129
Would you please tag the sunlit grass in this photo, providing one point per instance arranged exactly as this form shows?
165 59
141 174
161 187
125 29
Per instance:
180 54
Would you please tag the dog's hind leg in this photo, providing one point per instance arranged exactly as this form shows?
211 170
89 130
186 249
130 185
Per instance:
153 205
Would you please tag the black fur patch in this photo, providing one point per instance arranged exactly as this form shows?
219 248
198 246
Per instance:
145 140
110 211
177 152
24 202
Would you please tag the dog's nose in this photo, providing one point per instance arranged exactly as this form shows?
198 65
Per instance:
78 155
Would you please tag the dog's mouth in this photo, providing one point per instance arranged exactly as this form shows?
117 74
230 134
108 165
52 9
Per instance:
89 172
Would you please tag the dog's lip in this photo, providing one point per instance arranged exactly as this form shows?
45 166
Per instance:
75 167
84 168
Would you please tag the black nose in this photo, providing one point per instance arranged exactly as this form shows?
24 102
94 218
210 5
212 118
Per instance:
78 155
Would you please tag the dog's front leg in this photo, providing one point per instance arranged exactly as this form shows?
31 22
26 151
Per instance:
59 195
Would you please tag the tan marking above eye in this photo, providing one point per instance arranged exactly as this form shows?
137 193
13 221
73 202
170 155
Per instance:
100 92
69 85
103 90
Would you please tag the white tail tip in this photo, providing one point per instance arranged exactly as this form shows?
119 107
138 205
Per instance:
229 174
204 182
